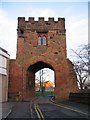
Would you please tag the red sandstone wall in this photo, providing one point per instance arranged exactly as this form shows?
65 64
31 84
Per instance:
54 54
15 79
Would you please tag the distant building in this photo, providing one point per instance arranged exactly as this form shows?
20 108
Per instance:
4 72
49 86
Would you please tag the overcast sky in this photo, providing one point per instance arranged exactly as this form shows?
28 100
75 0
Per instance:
75 13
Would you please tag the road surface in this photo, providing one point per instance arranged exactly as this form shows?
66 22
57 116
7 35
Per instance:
43 109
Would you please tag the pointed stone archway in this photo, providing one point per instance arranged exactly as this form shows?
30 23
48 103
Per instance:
30 77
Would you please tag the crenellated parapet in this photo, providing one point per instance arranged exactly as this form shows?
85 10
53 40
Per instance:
41 25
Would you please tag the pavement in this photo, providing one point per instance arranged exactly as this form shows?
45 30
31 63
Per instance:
5 109
21 110
0 111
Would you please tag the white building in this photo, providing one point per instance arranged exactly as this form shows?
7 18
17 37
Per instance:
4 72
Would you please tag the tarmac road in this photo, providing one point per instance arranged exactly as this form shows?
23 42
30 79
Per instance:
52 111
44 108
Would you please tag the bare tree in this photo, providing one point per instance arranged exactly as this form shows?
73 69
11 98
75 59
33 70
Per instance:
82 64
41 79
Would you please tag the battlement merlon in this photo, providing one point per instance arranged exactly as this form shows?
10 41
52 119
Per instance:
50 24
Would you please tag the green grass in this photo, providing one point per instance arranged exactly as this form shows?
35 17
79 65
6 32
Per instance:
46 93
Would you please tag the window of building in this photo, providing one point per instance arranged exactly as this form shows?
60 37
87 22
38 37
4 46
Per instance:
39 40
42 40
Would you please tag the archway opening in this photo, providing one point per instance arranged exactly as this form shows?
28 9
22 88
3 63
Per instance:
44 82
40 79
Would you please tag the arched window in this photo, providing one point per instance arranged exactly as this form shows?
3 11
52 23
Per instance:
39 40
44 40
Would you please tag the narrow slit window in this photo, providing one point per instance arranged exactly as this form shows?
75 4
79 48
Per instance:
44 40
39 40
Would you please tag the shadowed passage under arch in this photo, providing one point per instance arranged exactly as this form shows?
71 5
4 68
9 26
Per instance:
31 75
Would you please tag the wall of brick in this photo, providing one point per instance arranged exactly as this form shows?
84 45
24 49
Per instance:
15 80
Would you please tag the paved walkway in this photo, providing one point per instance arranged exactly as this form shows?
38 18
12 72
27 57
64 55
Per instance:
5 109
21 110
0 111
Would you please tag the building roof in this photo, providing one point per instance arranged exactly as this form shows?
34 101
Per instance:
3 52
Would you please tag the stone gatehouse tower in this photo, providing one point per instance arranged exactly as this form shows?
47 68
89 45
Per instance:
41 44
